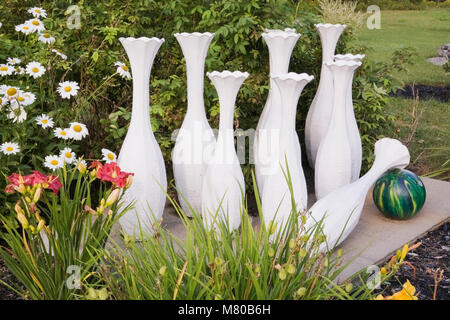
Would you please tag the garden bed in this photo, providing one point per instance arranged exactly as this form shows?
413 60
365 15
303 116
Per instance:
424 92
432 254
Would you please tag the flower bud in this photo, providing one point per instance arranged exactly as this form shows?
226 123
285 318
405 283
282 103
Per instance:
102 294
218 261
81 167
290 268
349 287
282 274
23 220
383 271
340 252
271 252
162 271
92 294
37 194
18 208
93 174
301 292
129 181
302 253
114 195
40 225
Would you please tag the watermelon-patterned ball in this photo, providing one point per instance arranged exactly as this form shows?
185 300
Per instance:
399 194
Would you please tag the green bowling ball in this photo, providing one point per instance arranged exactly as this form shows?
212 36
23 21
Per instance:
399 194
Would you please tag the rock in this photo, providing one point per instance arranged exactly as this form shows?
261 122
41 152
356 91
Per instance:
444 51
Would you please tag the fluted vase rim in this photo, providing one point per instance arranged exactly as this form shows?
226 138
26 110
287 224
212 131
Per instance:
227 74
293 76
142 39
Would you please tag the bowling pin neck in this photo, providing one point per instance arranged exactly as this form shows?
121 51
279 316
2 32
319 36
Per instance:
389 154
329 36
280 44
141 53
195 47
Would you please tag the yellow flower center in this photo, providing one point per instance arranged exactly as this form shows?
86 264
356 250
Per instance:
37 11
68 89
11 91
18 69
124 68
110 156
35 70
25 28
46 35
68 155
63 133
54 162
35 22
9 148
44 121
77 128
3 68
21 99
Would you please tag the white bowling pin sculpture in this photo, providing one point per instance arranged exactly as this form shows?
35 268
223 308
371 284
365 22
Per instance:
223 186
319 113
334 157
195 140
276 198
140 153
352 126
339 211
280 44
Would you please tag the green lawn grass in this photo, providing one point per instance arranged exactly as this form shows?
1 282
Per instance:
431 132
424 30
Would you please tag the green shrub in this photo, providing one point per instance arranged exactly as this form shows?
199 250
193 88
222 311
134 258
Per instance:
393 4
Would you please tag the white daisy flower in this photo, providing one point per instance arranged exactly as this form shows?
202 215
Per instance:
38 12
81 161
59 53
24 28
13 61
68 89
53 162
45 121
109 156
9 148
68 155
77 131
122 70
19 70
6 70
11 93
28 98
16 112
3 102
35 69
35 25
62 133
1 24
46 38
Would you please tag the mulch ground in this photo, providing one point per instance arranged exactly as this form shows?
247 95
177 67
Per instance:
424 92
431 260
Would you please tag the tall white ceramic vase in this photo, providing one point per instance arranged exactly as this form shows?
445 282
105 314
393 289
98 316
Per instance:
140 153
334 156
276 198
352 126
223 186
319 113
339 211
280 44
195 140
